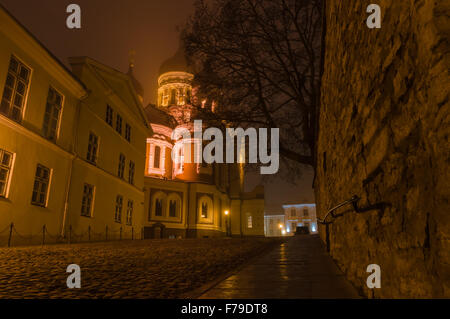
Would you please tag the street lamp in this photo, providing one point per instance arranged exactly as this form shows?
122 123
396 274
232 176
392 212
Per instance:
227 223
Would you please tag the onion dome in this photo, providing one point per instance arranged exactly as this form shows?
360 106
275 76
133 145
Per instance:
176 63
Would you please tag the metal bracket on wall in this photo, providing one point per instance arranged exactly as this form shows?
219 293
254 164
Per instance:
331 211
352 200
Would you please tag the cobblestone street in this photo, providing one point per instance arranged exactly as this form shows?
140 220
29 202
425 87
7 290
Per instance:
127 269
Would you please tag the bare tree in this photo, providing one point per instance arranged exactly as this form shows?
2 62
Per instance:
259 60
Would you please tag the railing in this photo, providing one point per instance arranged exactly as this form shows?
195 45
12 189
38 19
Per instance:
354 199
331 211
10 236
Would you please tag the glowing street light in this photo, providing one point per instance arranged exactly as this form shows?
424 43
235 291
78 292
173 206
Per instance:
283 232
227 222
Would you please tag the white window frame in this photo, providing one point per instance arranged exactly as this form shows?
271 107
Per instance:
25 97
118 209
58 126
91 207
89 158
10 170
47 195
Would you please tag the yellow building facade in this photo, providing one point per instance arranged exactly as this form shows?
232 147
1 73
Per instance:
40 98
72 144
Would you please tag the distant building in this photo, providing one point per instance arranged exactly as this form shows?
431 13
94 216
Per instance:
274 226
300 215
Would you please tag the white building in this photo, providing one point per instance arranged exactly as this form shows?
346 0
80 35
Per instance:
300 215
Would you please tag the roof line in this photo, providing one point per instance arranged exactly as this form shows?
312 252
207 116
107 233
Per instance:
43 46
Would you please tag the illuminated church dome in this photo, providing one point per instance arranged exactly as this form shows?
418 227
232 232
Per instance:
175 81
176 63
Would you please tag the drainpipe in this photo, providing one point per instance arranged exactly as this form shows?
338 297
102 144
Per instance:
74 157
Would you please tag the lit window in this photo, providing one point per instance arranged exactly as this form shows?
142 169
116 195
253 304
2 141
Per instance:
157 157
165 98
109 115
118 213
119 124
121 169
128 132
6 161
88 200
130 213
181 97
52 114
249 221
131 173
15 91
92 148
41 185
204 210
173 94
160 99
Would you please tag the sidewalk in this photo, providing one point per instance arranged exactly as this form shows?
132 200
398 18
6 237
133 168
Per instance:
300 268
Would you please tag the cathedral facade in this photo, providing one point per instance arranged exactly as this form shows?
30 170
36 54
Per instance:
184 197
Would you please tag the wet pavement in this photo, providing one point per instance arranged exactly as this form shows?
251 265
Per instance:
299 268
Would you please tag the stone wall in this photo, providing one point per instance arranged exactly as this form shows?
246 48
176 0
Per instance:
384 136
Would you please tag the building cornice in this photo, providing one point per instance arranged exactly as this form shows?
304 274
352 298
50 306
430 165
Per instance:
34 136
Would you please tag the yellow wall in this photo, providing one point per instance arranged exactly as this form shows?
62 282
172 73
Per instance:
25 139
104 175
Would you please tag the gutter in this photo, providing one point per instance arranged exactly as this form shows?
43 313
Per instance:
74 157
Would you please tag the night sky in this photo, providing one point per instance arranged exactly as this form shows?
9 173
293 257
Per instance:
109 30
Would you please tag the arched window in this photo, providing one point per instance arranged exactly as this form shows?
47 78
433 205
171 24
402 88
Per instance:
205 209
174 205
172 208
158 207
181 100
165 99
173 94
158 201
157 157
188 96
